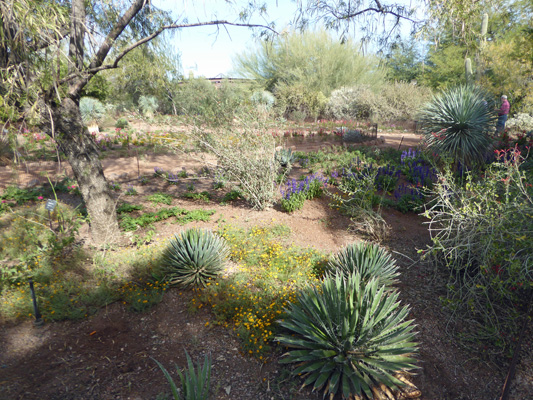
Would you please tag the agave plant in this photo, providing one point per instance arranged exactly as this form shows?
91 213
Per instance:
457 124
194 257
92 112
349 337
285 157
194 382
367 259
148 105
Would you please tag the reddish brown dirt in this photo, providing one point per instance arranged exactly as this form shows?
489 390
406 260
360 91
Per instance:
108 356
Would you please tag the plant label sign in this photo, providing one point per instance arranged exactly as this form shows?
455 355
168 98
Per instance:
50 205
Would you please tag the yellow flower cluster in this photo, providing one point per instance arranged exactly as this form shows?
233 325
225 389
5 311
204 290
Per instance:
268 279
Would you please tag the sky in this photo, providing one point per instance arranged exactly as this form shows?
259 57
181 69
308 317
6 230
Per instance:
208 51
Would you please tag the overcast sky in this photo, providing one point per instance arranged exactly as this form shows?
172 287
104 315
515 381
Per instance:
208 51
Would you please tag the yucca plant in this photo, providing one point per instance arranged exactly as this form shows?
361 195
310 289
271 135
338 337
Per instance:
457 124
92 112
367 259
349 337
194 257
195 383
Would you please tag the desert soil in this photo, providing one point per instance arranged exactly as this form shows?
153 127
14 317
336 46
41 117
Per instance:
109 355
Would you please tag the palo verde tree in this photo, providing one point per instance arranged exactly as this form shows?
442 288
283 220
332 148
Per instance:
51 49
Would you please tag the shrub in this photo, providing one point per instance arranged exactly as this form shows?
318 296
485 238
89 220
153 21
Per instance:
481 233
246 153
195 257
395 102
356 196
457 123
367 259
349 337
520 122
298 102
263 100
122 123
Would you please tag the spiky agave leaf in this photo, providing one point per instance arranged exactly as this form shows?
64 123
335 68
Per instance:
457 124
194 257
348 336
92 110
368 259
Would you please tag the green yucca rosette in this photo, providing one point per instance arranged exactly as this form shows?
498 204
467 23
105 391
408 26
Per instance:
367 259
457 124
195 257
348 337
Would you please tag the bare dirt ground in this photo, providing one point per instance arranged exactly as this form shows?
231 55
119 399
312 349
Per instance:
108 356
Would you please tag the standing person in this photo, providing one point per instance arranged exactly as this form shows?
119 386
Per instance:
502 114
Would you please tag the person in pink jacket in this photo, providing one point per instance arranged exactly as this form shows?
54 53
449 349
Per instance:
503 113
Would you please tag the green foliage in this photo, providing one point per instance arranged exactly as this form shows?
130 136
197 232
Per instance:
148 105
314 62
151 70
20 196
195 257
457 124
194 383
445 68
128 208
97 88
285 157
263 100
481 232
92 110
297 102
231 196
204 196
200 99
129 223
349 336
160 198
409 202
122 123
394 102
370 261
403 62
356 196
295 202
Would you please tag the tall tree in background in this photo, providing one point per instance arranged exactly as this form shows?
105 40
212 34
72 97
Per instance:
316 60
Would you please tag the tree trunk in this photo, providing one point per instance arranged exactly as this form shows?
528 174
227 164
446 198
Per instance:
74 141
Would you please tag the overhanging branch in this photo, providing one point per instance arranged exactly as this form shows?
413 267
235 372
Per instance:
94 69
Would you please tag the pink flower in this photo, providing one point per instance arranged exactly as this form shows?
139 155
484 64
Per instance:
40 197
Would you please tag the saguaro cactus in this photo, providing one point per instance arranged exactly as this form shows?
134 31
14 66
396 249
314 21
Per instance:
468 70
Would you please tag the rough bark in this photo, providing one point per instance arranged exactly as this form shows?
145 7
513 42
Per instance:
75 142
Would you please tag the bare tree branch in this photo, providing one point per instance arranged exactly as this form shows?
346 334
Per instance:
94 69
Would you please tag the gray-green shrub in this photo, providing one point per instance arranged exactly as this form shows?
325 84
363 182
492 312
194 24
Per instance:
394 102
